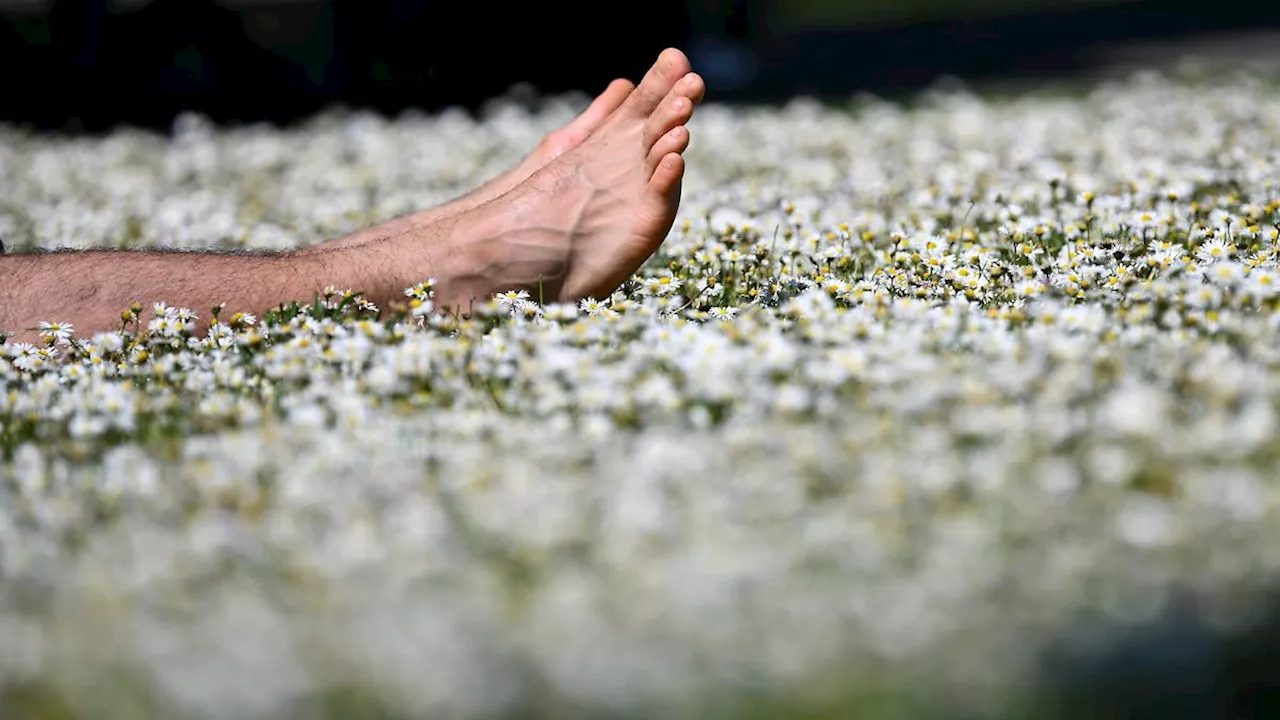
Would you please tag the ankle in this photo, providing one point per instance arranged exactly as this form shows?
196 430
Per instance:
493 252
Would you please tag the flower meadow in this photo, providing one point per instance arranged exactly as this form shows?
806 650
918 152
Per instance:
915 396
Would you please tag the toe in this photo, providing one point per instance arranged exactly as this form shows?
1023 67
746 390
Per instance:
664 187
693 87
665 73
676 140
675 110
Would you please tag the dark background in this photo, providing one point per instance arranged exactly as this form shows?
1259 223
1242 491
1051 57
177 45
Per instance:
88 65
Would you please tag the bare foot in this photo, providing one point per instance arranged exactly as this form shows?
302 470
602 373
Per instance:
577 227
552 146
586 221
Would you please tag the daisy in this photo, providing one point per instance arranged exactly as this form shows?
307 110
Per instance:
512 301
591 306
418 307
60 332
1214 250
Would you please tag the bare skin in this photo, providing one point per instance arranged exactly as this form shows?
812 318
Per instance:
587 220
552 146
599 199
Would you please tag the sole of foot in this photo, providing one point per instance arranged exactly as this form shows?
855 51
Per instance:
584 222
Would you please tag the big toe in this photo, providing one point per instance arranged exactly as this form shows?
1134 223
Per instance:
661 78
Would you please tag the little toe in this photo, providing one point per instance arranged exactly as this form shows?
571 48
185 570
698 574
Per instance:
676 140
658 81
664 186
675 110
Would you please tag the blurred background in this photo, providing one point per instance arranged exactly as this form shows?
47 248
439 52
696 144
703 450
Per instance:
88 65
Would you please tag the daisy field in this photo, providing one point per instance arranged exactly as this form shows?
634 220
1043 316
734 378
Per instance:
913 390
